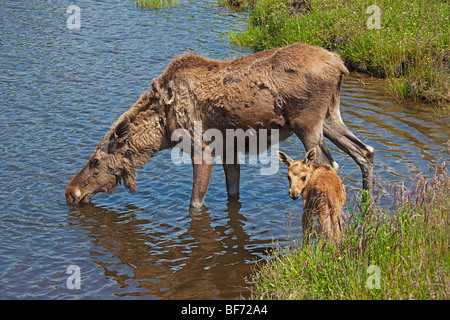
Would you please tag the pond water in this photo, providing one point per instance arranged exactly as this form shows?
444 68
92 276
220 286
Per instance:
60 91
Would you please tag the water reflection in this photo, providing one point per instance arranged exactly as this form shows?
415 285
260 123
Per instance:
159 260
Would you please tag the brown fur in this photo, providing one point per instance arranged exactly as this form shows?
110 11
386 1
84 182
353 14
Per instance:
322 191
292 89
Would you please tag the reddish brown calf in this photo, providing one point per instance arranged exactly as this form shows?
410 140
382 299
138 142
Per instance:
322 191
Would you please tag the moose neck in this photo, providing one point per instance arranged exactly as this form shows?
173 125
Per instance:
147 134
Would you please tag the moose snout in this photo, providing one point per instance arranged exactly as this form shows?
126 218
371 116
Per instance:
69 198
72 195
294 195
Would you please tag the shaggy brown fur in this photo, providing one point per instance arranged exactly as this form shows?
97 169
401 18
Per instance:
292 89
322 191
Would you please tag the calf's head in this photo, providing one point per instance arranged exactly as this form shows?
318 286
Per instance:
108 166
299 172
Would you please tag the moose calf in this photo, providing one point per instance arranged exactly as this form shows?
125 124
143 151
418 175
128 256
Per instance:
322 191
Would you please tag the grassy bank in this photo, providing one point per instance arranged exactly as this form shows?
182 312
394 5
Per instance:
156 4
397 253
410 48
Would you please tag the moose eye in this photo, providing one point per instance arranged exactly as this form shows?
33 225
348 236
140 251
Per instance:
303 178
94 163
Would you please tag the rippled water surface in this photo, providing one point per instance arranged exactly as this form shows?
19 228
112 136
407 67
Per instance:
60 91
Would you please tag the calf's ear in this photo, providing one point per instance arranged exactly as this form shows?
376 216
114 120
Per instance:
284 158
310 156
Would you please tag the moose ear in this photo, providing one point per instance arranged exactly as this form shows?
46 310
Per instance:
284 158
310 156
164 91
119 135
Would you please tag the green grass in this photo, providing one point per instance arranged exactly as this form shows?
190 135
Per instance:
238 4
397 253
156 4
411 49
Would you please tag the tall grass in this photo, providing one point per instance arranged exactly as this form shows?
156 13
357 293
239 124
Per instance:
156 4
396 253
411 48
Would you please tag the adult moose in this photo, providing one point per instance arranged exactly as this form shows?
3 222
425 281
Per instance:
293 89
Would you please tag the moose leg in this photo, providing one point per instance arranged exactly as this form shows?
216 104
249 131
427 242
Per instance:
324 149
232 175
306 119
313 137
335 130
202 168
202 176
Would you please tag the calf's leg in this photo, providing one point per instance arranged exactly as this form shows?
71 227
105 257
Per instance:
307 227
